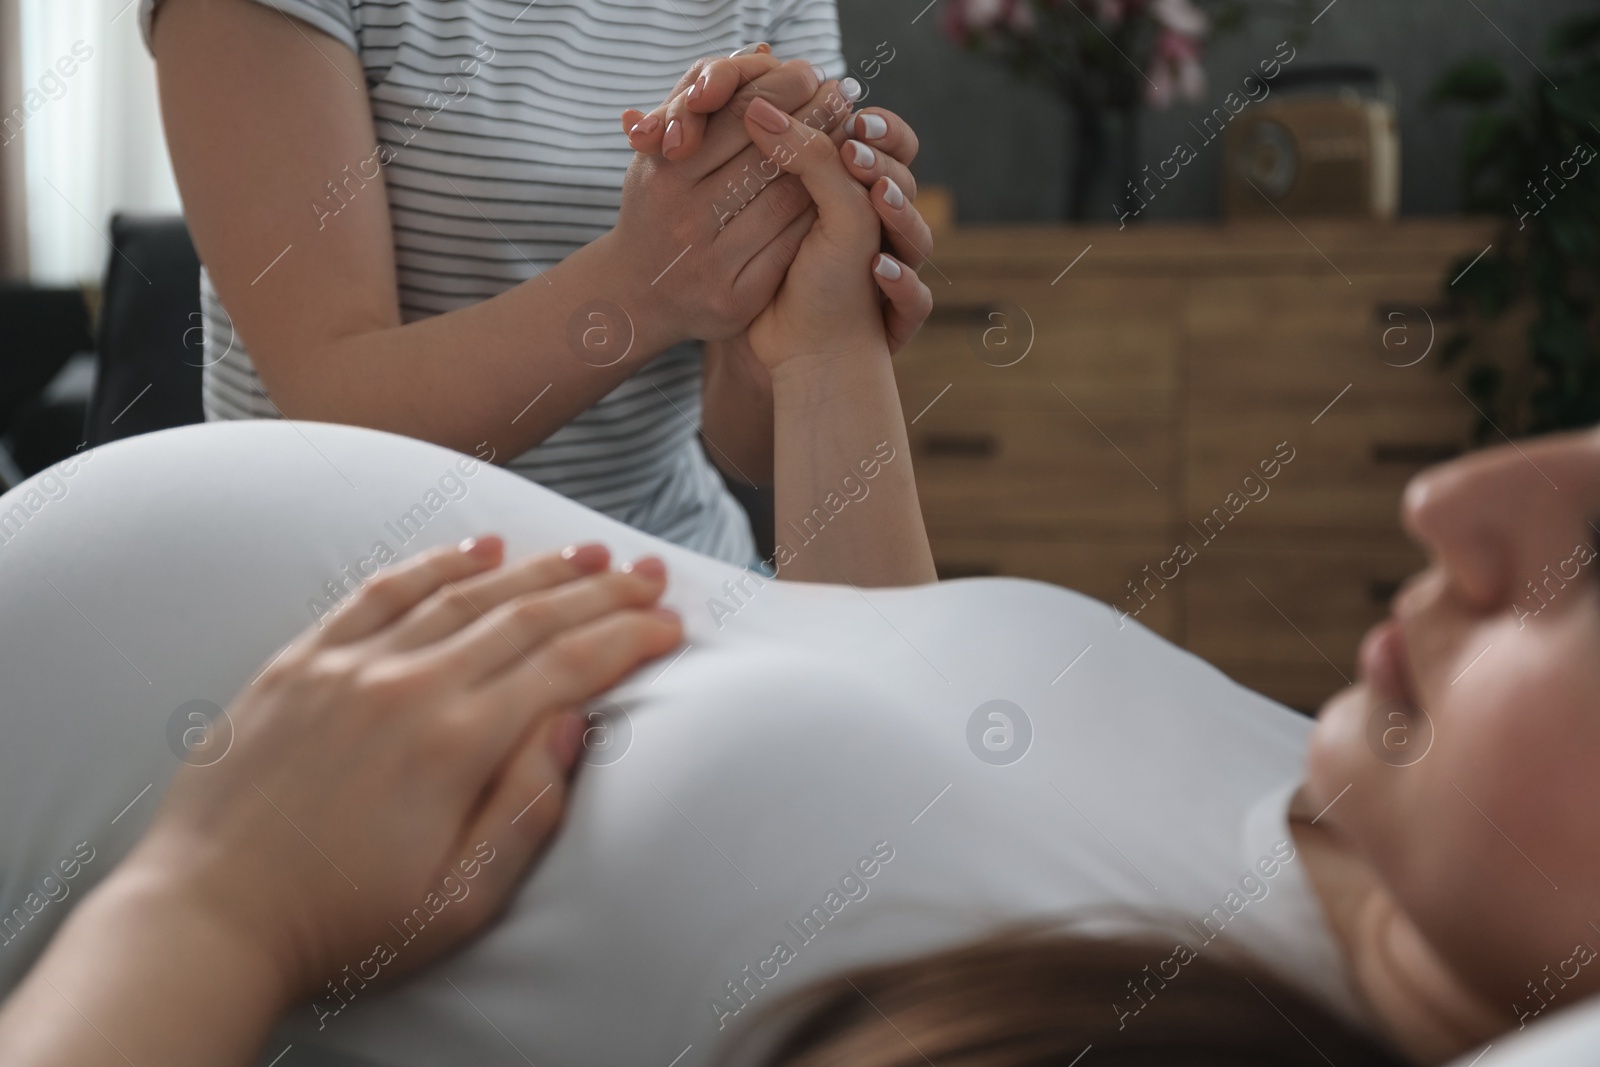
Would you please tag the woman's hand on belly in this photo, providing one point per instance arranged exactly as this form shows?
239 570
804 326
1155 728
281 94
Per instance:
389 780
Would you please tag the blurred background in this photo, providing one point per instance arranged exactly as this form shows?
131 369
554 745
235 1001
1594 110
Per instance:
1214 279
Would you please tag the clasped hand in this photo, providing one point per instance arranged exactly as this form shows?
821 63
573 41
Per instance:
724 198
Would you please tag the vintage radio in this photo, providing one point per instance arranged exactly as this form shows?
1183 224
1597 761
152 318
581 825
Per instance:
1319 146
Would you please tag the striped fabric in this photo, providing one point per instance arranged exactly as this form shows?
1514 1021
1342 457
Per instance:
533 144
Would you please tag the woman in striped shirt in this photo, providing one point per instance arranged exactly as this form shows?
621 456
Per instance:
419 216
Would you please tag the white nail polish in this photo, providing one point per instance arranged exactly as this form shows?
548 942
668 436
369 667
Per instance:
874 126
851 89
865 157
887 268
821 74
892 195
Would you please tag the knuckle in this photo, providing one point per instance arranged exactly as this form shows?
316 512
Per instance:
335 668
545 570
453 602
725 306
531 614
577 656
864 214
386 592
385 682
816 148
538 822
741 101
910 144
630 589
786 199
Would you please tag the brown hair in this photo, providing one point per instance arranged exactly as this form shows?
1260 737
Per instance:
1026 998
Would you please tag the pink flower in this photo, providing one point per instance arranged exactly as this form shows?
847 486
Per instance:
1175 68
982 14
965 19
1181 16
1021 19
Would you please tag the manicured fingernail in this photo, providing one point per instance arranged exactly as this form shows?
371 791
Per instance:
887 268
851 89
648 567
872 126
649 124
892 193
751 49
696 89
667 615
566 739
766 116
864 156
587 557
821 74
674 136
484 547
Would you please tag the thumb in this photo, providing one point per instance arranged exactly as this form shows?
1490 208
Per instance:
811 156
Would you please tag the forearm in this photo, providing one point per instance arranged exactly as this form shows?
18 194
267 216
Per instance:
467 378
847 506
736 412
129 979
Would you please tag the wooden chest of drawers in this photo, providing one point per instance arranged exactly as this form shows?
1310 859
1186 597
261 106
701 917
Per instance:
1078 424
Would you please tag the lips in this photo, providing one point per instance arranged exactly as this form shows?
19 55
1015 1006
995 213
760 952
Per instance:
1384 666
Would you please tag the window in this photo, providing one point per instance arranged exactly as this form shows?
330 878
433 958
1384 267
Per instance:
93 143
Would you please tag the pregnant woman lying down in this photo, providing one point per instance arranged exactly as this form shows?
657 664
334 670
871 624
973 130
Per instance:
981 822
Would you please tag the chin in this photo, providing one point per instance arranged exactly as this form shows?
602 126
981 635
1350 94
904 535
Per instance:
1337 754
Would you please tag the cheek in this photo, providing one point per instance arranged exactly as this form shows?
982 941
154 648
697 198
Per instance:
1522 743
1493 805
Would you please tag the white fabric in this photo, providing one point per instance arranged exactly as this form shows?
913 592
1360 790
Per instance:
817 725
1564 1038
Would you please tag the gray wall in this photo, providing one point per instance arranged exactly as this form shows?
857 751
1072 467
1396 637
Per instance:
1004 147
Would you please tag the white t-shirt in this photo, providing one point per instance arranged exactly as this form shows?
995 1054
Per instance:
820 778
497 130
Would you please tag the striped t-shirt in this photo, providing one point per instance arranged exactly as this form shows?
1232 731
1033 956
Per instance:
520 165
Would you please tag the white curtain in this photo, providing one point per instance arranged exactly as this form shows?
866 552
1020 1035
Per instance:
94 143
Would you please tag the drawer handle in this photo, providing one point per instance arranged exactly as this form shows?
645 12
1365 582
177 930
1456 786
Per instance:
960 445
1381 591
1413 454
1385 312
948 570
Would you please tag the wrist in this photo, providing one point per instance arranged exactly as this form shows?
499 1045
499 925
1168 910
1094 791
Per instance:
734 363
213 944
172 986
822 378
615 275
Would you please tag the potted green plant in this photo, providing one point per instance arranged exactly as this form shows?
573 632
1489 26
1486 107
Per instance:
1532 158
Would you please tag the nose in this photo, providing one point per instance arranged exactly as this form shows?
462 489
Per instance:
1459 513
